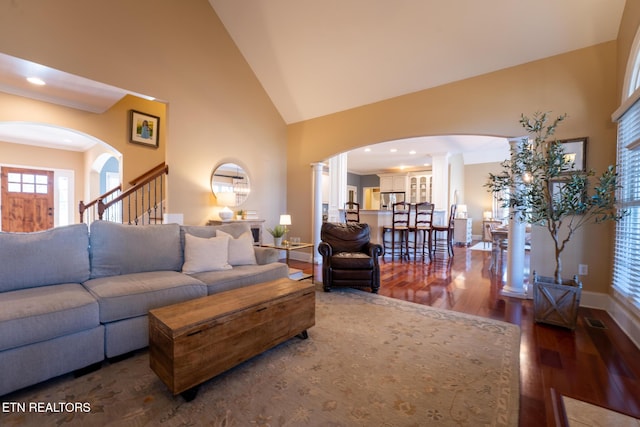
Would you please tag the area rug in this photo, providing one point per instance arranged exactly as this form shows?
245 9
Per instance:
369 361
481 246
583 414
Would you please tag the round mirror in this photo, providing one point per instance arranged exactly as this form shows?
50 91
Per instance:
230 184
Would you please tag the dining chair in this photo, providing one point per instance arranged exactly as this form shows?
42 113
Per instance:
422 224
352 212
444 243
399 230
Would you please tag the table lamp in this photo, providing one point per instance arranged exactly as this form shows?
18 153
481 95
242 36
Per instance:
462 211
225 199
285 220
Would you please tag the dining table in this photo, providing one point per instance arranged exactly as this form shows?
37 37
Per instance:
499 239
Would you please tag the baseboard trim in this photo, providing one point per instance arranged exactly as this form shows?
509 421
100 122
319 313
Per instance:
625 320
302 256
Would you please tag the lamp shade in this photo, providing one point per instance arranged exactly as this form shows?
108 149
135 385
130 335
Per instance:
462 211
285 219
226 198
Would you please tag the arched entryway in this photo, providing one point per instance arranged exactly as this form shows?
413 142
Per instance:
61 153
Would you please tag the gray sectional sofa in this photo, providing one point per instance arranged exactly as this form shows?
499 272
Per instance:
72 296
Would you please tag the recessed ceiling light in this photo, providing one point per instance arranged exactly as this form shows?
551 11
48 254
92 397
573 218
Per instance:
367 149
36 81
393 150
412 152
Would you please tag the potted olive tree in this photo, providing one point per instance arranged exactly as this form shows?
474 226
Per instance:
543 186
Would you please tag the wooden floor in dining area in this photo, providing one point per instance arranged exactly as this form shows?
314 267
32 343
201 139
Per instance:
599 365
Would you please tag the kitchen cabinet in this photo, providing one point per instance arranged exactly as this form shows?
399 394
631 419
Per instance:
393 182
420 188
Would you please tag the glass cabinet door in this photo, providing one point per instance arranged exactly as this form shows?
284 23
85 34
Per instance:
423 189
413 190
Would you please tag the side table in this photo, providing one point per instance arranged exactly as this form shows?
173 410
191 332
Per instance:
294 247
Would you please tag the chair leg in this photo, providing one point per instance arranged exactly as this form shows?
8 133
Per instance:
406 244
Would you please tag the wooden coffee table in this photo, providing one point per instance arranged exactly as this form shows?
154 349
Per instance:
193 341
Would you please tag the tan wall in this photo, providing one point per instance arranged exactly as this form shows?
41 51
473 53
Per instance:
456 179
581 83
477 198
181 54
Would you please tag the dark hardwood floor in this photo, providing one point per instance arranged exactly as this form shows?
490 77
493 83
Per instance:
597 365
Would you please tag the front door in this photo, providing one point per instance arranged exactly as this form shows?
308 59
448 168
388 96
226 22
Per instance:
27 199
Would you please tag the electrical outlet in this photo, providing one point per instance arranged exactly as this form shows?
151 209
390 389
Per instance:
583 269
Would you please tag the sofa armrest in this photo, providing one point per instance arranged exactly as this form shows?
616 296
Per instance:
266 255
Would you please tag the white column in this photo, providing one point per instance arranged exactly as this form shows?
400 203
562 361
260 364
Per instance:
337 186
515 250
316 209
440 183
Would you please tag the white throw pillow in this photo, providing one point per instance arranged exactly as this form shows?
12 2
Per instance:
202 254
241 250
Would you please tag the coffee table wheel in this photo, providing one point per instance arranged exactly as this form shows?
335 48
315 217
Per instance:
189 395
303 335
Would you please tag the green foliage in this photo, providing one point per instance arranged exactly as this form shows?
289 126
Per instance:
277 231
538 182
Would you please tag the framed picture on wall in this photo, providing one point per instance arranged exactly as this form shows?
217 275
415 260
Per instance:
144 129
575 153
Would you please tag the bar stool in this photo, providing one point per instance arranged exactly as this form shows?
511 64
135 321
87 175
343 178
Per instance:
351 212
446 243
422 225
400 227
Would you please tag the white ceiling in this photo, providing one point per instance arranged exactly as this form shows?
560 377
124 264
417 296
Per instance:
318 58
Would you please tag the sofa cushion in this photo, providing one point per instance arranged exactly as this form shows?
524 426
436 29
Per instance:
124 249
242 275
241 250
202 254
33 315
55 256
131 295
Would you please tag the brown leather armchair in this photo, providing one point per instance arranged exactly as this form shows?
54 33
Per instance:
348 256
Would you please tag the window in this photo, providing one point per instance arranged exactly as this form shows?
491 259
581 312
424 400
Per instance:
63 200
626 264
27 183
626 258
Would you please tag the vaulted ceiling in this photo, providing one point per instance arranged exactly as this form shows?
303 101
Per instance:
315 58
320 57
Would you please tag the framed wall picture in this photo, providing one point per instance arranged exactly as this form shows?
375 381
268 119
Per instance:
144 129
575 152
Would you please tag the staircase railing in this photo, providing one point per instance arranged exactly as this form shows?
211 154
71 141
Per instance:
89 211
143 203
